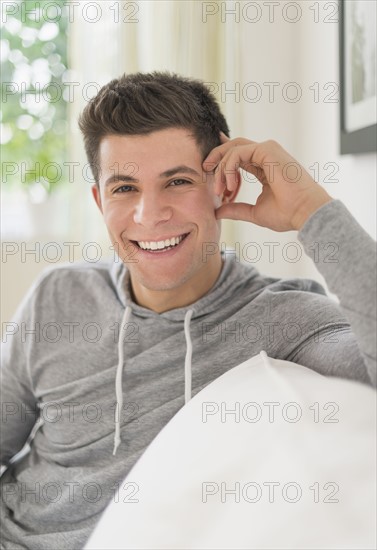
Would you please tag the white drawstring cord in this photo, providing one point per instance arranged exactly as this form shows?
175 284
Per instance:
188 356
118 380
119 372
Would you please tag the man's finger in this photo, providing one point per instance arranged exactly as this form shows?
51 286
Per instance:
236 211
214 157
223 137
219 185
217 154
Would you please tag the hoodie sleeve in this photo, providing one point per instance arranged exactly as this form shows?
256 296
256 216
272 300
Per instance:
19 407
346 257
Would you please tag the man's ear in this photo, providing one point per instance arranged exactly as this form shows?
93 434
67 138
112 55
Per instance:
97 196
230 196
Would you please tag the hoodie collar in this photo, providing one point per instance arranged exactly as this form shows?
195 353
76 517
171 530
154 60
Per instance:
211 301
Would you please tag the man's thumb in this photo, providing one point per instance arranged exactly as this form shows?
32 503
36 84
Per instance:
236 211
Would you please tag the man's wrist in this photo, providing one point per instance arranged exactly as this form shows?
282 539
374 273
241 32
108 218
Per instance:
309 208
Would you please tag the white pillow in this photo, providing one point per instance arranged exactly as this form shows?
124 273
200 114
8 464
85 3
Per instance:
317 443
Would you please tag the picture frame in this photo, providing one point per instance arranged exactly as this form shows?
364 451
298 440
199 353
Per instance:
357 76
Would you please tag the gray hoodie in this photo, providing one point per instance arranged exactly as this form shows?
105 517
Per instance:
91 377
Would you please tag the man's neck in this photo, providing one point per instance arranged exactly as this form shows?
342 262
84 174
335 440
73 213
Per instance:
165 300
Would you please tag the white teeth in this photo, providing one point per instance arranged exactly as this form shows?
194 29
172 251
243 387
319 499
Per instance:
159 245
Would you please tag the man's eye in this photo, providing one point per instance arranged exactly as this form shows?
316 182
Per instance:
179 182
123 189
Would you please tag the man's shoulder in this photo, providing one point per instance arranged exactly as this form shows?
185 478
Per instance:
67 276
297 284
255 280
69 288
68 270
294 298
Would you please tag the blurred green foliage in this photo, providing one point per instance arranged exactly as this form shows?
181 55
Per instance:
34 119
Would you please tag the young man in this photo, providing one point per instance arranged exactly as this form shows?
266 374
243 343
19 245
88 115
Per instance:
118 347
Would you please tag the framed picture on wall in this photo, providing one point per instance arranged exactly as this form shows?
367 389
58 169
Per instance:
357 57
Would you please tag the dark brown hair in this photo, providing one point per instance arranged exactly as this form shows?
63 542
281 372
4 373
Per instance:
142 103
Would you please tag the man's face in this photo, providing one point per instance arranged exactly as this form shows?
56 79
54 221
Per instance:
153 188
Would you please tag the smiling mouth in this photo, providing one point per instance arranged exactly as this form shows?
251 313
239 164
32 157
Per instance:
160 246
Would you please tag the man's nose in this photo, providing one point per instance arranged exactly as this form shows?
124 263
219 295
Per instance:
152 209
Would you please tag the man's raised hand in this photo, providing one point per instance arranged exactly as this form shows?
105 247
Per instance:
289 194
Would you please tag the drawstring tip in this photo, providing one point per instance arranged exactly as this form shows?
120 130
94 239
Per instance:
116 444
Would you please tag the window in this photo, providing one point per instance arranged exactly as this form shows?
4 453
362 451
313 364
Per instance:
34 103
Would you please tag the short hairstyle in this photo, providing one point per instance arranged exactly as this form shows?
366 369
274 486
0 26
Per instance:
142 103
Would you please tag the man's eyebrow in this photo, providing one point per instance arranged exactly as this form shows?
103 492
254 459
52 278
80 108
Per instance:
182 169
120 177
